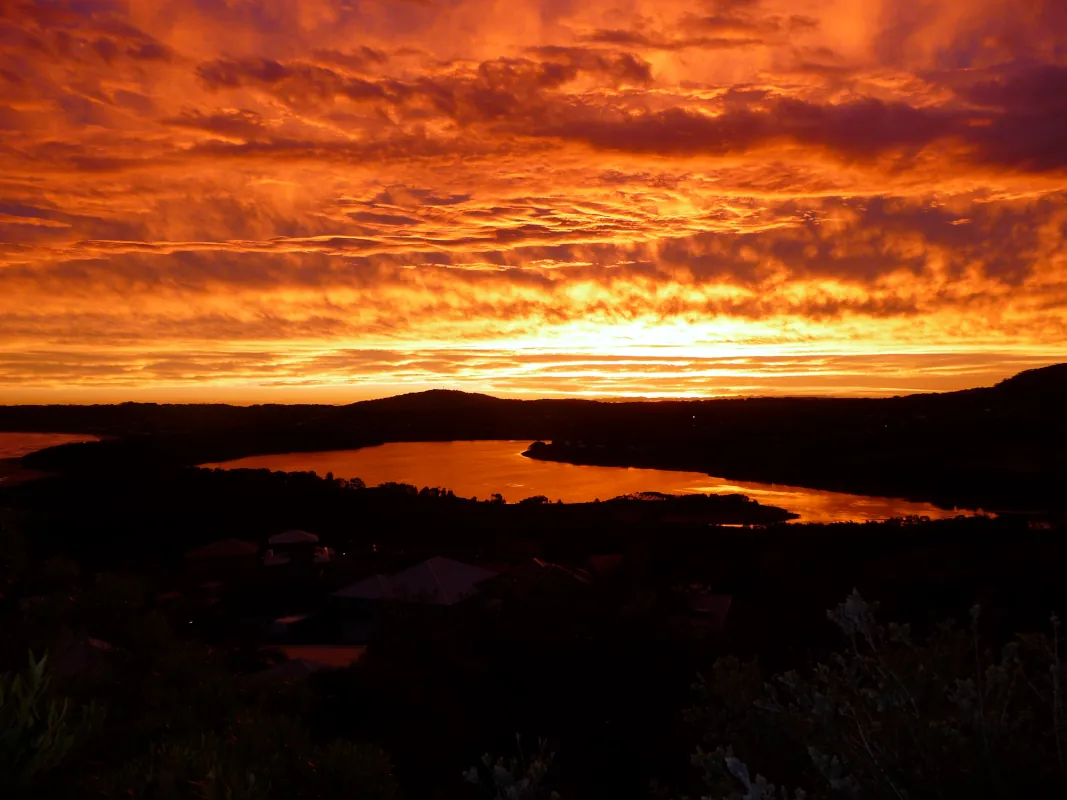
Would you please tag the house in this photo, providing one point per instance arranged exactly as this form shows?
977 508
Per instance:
701 612
291 669
304 660
286 624
79 655
607 563
539 584
295 545
437 581
709 611
538 575
272 559
225 548
293 537
376 587
335 656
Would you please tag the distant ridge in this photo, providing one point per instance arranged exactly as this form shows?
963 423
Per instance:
1052 380
1041 381
435 398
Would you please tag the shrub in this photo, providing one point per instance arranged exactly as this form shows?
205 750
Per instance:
514 778
37 730
887 717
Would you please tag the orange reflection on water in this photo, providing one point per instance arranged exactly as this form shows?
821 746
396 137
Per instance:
17 445
482 468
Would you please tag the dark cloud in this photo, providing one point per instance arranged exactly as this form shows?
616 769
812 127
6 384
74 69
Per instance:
629 38
296 83
726 25
859 129
993 33
382 219
406 194
79 32
495 89
241 125
1019 124
358 59
1034 88
1026 128
614 67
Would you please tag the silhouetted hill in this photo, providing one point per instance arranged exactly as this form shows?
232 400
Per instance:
432 399
1044 383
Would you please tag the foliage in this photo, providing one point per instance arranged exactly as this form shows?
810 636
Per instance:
886 717
514 778
398 488
255 757
535 500
354 770
436 492
14 557
181 722
204 767
38 731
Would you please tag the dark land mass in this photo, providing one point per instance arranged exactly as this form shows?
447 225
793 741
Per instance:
601 663
154 516
594 627
996 448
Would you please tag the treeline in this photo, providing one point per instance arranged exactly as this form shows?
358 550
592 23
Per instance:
152 516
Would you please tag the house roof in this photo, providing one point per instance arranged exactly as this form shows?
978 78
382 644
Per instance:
606 562
293 668
77 654
226 548
376 587
716 605
543 575
328 655
292 619
293 537
436 581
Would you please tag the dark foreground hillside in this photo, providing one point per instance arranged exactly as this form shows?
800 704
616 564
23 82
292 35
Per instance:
188 676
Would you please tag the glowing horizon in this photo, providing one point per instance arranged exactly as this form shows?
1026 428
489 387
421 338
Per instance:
331 200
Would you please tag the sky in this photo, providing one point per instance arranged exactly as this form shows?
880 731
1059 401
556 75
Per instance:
328 200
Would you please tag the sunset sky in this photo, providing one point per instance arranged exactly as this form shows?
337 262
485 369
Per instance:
328 200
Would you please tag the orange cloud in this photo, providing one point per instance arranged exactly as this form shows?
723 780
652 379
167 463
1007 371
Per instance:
336 199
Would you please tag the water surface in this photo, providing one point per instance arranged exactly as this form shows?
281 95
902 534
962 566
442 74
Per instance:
14 446
482 468
17 445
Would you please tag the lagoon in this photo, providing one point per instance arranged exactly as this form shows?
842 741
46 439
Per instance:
482 468
14 446
17 445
